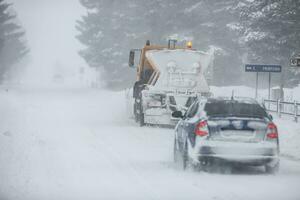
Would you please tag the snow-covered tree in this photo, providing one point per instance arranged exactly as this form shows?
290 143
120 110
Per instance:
111 28
272 32
108 31
263 30
12 44
216 23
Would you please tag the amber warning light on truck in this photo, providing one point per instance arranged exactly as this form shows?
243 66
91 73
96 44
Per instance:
189 44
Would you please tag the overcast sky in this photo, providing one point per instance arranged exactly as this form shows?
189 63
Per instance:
50 31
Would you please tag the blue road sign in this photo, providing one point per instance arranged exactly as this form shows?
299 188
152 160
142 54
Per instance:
295 61
262 68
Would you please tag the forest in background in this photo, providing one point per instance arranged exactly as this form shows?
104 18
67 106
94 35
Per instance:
241 31
13 45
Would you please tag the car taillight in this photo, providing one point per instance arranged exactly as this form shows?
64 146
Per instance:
202 129
272 132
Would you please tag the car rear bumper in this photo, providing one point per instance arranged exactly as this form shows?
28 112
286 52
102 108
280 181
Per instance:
246 153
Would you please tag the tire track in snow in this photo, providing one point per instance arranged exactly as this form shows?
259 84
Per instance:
181 179
116 160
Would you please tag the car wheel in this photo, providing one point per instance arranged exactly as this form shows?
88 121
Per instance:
188 164
272 169
136 118
141 118
180 158
226 169
175 152
185 157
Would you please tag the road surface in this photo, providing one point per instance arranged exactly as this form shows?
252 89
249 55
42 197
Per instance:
78 144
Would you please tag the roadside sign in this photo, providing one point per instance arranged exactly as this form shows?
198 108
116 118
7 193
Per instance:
295 61
262 68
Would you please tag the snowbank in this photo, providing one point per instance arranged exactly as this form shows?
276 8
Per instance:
290 94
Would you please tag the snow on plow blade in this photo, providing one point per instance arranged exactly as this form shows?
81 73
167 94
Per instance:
181 79
180 69
168 80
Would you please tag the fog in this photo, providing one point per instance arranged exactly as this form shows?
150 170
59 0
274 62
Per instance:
76 122
241 33
50 34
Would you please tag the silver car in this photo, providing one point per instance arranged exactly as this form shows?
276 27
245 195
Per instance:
215 132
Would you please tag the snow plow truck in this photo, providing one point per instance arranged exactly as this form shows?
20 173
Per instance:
169 78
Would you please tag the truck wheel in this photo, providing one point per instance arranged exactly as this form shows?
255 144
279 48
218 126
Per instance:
141 119
140 112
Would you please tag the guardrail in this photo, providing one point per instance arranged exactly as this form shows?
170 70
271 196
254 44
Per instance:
283 107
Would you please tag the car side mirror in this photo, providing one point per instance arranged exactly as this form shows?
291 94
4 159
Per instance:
131 58
177 114
271 117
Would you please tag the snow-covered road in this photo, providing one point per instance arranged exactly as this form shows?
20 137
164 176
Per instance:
61 144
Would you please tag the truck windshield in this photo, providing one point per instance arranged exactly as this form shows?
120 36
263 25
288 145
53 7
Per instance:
233 108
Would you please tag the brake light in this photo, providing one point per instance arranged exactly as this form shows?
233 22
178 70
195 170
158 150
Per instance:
272 132
202 129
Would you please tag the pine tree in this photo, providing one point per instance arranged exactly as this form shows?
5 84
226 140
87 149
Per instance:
108 30
272 33
216 23
264 30
12 45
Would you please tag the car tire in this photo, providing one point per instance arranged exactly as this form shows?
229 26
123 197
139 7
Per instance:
141 117
136 118
272 169
226 169
184 156
175 152
187 161
180 157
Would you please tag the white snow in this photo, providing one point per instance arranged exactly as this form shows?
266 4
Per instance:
234 26
290 94
289 135
79 144
188 10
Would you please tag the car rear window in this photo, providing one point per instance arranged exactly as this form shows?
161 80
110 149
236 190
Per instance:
234 108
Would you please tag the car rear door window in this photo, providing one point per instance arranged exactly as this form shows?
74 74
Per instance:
233 108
